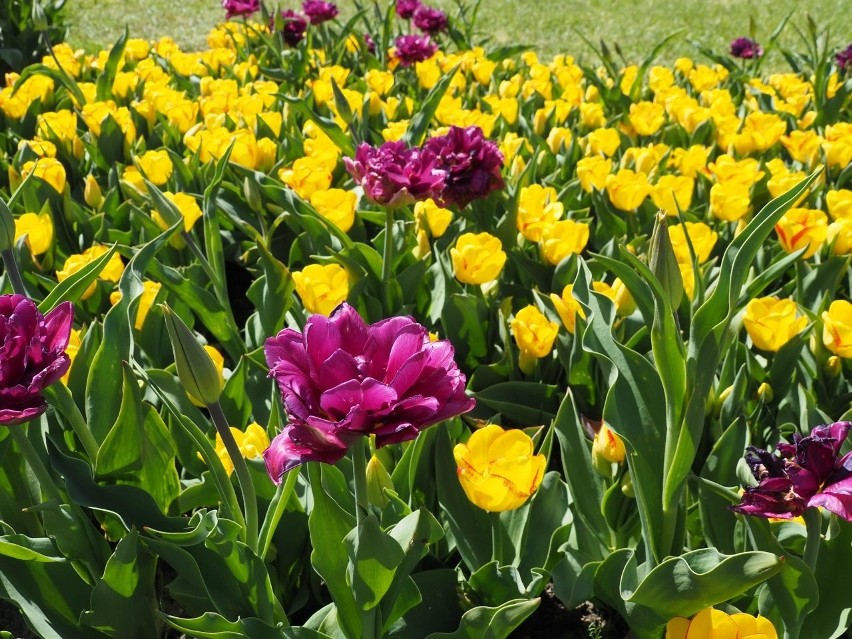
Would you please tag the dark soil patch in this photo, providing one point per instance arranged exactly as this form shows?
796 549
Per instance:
551 620
12 621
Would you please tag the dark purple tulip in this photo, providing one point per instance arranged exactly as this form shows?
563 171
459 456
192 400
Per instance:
405 8
430 20
319 11
342 379
414 48
806 473
844 58
370 43
240 7
393 174
472 164
746 49
32 355
292 26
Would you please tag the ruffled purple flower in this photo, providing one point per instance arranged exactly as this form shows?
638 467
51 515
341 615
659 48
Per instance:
472 164
405 8
393 174
410 49
319 11
342 379
430 20
746 48
370 43
292 26
844 59
32 355
240 7
806 473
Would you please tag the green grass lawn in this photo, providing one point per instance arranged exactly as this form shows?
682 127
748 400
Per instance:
546 25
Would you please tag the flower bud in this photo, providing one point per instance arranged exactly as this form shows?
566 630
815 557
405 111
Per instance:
251 192
720 400
764 393
39 17
195 368
607 449
663 261
627 486
92 192
378 479
7 227
833 366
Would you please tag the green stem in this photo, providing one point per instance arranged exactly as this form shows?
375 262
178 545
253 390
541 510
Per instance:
60 397
242 471
387 260
45 480
496 538
359 470
813 524
276 510
13 272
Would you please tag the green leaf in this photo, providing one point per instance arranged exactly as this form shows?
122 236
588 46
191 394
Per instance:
27 549
617 575
124 599
213 626
421 120
107 76
791 595
373 559
527 403
682 586
495 584
833 612
71 288
329 127
139 451
491 623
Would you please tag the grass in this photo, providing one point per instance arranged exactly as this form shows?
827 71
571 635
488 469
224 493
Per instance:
548 26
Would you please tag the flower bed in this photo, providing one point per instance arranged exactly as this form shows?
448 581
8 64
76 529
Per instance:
370 322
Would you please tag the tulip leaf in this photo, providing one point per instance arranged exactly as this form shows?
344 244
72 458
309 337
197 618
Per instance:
491 623
421 120
527 403
717 522
682 586
27 549
495 584
573 578
213 626
833 613
373 559
618 573
791 595
122 600
107 76
71 288
329 127
139 451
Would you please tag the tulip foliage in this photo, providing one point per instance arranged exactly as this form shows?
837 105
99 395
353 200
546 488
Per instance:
321 330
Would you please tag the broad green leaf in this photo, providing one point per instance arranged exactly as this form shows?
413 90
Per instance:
421 120
213 626
617 575
71 288
27 549
124 599
527 403
720 467
491 623
438 591
682 586
791 595
833 612
373 559
107 76
495 584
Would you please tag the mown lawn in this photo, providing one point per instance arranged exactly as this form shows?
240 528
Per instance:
547 25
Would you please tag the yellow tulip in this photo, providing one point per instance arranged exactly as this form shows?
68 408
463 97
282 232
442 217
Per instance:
730 201
497 469
702 237
74 343
803 146
647 117
321 287
534 336
837 328
477 258
592 172
567 307
608 446
111 272
618 293
337 206
50 170
839 235
627 189
760 131
802 228
431 216
538 209
251 443
715 624
149 295
839 203
219 363
562 239
603 141
308 174
726 169
673 192
187 206
689 161
771 322
38 229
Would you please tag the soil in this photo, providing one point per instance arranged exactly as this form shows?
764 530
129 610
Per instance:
551 620
12 621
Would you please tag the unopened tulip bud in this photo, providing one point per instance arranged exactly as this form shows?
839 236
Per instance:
833 366
764 393
378 479
7 227
251 192
195 368
663 261
627 485
39 17
92 192
721 400
607 449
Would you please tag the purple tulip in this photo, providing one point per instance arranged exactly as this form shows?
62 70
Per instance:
293 27
32 355
806 473
240 7
393 174
414 48
342 379
370 43
746 49
472 164
405 8
844 58
319 11
430 20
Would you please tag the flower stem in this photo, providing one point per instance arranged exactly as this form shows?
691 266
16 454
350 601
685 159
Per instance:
242 471
359 471
813 525
45 480
387 260
276 510
496 538
60 397
13 273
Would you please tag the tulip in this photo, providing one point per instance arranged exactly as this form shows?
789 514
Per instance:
802 228
32 355
837 328
746 49
534 336
538 209
477 258
240 7
38 229
497 469
251 442
433 217
562 239
603 141
771 322
647 117
110 273
156 166
607 449
410 49
430 20
48 169
672 193
200 376
839 203
337 206
730 201
619 294
627 189
567 307
342 379
701 236
592 172
319 11
715 624
149 295
321 287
